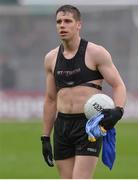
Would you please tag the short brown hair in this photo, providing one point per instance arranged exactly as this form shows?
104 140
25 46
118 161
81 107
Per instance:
72 9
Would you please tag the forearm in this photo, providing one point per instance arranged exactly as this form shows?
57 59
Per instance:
48 121
119 95
49 116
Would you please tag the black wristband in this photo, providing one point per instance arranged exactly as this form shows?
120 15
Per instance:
45 138
121 109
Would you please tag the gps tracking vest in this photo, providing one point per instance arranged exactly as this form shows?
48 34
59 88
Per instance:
73 72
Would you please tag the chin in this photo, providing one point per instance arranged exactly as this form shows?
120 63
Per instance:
66 38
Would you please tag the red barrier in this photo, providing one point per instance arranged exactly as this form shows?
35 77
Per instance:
25 105
21 105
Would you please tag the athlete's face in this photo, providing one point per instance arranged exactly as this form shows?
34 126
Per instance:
67 25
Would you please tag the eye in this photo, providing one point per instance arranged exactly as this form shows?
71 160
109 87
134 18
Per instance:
68 20
59 21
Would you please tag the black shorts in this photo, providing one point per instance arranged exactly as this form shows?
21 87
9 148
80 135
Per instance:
70 138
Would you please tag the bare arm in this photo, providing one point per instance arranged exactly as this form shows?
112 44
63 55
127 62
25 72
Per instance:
49 112
112 77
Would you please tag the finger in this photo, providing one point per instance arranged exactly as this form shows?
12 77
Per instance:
105 122
105 112
49 161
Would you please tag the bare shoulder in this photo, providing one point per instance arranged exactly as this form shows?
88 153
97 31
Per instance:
50 58
99 53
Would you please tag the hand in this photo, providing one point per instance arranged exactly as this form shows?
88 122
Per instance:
111 117
47 150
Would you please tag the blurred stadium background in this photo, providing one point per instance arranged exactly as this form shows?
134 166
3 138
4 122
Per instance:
27 33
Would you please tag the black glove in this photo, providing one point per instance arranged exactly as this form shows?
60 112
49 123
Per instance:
111 117
47 150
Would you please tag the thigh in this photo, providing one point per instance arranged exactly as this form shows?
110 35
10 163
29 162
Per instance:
63 148
65 167
82 145
84 167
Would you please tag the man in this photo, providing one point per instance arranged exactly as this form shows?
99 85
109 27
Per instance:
74 72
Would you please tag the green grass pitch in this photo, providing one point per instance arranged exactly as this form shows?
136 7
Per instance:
20 153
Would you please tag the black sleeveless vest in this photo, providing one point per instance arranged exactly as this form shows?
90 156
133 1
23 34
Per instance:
73 72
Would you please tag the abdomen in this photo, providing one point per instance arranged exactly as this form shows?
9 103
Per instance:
72 100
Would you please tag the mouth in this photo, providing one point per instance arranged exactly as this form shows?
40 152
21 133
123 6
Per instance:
63 33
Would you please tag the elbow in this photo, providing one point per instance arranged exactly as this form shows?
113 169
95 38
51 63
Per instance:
50 99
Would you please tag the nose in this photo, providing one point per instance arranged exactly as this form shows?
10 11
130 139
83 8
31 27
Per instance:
62 25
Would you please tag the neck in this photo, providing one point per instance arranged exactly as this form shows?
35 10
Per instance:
72 44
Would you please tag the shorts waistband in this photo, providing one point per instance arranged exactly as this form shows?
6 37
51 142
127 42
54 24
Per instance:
77 115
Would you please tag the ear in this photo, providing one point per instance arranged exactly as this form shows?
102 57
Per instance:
79 25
